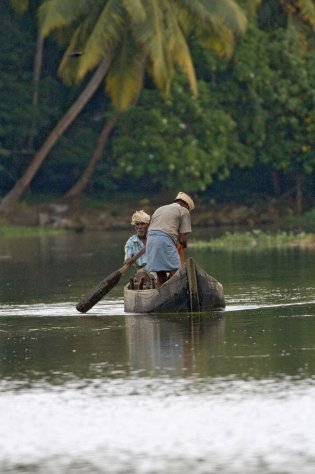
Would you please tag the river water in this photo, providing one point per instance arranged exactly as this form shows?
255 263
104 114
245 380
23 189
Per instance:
229 392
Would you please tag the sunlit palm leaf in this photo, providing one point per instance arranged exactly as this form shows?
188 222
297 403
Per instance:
125 78
213 23
68 68
178 49
151 36
222 45
135 9
207 14
307 8
104 36
229 12
54 14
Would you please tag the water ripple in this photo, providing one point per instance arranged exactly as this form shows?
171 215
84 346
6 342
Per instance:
162 425
115 307
110 307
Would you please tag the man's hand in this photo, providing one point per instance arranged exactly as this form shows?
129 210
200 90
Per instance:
182 240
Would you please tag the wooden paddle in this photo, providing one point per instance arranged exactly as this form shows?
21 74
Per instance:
88 301
180 250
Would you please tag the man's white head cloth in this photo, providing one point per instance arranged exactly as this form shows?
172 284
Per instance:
140 216
187 199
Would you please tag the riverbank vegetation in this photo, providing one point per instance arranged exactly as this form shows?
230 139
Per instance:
227 115
19 231
256 239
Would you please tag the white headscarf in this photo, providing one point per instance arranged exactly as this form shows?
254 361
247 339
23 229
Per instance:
140 216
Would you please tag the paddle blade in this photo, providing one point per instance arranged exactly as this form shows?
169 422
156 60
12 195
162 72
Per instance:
88 301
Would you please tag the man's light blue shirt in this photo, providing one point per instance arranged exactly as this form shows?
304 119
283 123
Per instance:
133 245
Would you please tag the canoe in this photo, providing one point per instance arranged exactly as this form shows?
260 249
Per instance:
191 289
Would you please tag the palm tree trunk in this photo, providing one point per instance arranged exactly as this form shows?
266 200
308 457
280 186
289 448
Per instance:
11 198
275 182
299 195
85 178
36 79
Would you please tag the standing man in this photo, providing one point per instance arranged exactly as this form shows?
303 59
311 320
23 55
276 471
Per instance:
136 242
169 226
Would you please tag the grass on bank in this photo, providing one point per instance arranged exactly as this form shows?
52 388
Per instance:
256 239
25 231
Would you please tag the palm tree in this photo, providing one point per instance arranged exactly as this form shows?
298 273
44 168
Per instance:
21 6
85 177
123 39
124 81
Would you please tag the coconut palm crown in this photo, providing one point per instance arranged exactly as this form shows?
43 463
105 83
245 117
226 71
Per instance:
139 36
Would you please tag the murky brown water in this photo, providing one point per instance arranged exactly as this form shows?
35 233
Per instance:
109 392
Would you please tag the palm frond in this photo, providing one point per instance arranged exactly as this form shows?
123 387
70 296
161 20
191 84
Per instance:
213 22
150 35
68 67
222 45
307 9
230 14
75 37
104 36
135 9
125 78
207 13
178 49
54 14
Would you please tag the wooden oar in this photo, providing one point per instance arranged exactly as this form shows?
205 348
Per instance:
88 301
180 250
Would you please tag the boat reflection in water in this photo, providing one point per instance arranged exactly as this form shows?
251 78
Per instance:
173 343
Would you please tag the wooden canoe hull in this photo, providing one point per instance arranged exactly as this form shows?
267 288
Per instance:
191 289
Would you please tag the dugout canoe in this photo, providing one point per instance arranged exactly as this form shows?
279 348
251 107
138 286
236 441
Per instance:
191 289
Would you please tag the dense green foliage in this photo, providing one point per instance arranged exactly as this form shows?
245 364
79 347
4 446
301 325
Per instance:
184 141
249 133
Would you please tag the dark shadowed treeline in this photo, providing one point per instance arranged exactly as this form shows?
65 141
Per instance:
247 135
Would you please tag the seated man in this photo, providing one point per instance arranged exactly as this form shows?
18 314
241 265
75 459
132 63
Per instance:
136 242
